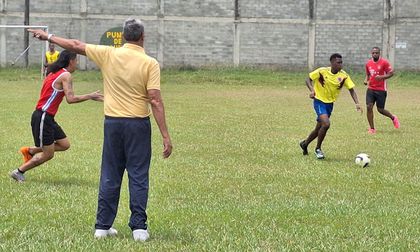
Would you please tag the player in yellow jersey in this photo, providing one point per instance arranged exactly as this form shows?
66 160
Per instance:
325 84
51 56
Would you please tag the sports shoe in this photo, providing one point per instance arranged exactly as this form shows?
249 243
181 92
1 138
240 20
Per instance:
396 122
140 235
102 233
319 154
304 147
372 131
26 155
17 175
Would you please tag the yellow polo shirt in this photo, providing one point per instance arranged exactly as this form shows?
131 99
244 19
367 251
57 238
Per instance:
328 91
127 75
52 57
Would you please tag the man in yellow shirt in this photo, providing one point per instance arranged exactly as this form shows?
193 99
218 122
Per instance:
131 82
325 84
51 56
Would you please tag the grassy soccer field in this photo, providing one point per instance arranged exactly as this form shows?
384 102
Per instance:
236 181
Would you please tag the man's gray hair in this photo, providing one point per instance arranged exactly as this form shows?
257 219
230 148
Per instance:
133 29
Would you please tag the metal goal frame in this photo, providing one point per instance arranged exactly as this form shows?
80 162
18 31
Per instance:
43 50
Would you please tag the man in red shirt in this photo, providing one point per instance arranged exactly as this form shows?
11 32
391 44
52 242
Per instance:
378 70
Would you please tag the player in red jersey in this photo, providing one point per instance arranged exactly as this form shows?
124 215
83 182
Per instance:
49 137
378 70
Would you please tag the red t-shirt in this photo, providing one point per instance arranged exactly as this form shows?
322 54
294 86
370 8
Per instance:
373 69
50 97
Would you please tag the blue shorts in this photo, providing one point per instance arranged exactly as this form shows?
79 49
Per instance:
322 108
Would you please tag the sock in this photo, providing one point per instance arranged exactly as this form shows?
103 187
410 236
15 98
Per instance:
20 171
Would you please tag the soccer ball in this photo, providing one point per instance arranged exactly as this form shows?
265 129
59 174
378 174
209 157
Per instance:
362 159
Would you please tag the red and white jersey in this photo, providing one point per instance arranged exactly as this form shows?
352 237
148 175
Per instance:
373 69
51 97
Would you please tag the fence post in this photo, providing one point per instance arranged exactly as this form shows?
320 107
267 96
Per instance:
161 33
389 31
236 35
83 31
311 34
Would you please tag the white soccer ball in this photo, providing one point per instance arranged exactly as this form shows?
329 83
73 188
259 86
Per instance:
362 159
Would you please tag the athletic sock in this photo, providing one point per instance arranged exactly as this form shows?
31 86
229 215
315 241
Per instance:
20 171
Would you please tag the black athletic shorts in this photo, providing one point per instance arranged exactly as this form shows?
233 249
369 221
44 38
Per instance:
45 129
373 96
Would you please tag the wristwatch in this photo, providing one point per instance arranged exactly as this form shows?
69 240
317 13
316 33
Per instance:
49 37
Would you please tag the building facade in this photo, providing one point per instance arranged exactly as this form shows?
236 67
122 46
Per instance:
282 33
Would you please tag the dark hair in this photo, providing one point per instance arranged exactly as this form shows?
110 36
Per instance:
334 56
62 61
133 29
375 47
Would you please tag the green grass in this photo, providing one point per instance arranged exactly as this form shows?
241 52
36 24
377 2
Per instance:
236 181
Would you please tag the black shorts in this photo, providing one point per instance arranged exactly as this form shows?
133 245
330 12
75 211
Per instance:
373 96
45 129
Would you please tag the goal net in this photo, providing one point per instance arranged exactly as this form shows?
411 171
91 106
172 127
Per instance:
13 50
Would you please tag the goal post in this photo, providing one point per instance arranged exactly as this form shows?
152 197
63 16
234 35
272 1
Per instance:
11 41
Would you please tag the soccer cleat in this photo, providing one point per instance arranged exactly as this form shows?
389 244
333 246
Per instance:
319 154
141 235
102 233
396 122
25 153
372 131
17 175
304 147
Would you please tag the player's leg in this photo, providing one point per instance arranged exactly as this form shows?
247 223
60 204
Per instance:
325 125
313 134
317 105
381 109
370 102
29 151
112 170
61 143
324 113
38 159
380 105
43 134
385 112
138 149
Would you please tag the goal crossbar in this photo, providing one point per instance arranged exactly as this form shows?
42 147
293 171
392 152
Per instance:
25 26
44 49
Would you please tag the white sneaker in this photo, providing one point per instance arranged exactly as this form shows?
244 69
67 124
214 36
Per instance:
140 235
18 176
102 233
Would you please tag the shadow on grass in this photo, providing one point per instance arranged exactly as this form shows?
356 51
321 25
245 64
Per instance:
390 131
330 161
66 182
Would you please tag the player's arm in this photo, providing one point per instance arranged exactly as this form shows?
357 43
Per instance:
69 44
159 113
389 72
385 76
355 99
67 83
310 86
366 81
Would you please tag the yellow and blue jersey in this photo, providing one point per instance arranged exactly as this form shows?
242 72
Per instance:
327 85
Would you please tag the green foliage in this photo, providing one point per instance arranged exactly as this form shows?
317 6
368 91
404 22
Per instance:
236 181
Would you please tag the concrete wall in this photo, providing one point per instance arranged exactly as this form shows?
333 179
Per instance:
283 33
